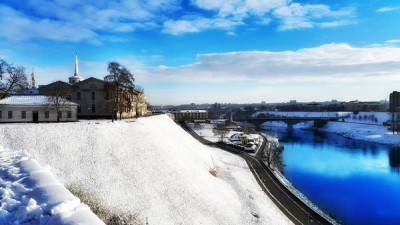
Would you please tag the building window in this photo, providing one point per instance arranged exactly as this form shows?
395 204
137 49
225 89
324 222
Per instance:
93 95
78 95
9 114
23 114
93 108
46 114
68 114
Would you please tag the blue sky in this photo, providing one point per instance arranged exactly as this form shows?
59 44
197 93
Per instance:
206 51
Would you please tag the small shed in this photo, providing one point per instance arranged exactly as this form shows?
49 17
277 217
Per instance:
254 138
34 108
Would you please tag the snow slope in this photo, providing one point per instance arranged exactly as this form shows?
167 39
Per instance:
30 194
149 167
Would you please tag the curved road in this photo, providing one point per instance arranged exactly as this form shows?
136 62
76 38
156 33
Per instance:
295 209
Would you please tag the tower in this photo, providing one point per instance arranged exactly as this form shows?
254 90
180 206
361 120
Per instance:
76 78
33 85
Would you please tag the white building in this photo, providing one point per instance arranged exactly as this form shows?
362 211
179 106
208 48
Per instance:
34 108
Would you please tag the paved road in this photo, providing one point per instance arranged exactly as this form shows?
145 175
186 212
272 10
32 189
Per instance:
291 206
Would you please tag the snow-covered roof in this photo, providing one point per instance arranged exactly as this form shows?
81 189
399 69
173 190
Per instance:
28 100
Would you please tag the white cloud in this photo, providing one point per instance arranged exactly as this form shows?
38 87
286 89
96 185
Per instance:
90 20
290 15
393 41
77 20
239 8
386 9
336 23
326 63
20 27
297 16
197 25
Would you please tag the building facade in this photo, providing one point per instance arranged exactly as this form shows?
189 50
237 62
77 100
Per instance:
185 115
90 96
34 108
394 101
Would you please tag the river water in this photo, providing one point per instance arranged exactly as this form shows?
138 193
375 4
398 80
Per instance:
357 182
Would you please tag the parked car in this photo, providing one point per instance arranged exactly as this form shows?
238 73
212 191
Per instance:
387 123
250 147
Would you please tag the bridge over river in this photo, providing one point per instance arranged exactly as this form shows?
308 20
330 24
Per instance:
290 121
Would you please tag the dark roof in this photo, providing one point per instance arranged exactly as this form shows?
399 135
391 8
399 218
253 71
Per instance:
87 80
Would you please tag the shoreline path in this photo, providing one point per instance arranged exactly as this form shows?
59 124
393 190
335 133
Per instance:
295 209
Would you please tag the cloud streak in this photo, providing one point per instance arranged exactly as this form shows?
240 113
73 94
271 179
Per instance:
234 13
97 21
386 9
80 21
326 63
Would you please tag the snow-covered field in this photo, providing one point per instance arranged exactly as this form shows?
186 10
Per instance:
206 131
149 167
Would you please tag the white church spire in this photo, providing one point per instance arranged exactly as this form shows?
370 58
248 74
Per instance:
76 78
33 85
76 65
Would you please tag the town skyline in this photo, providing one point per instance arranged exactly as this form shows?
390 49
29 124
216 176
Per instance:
213 51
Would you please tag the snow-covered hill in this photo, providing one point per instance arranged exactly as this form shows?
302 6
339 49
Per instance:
150 168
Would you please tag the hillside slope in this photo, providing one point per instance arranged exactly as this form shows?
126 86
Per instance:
149 167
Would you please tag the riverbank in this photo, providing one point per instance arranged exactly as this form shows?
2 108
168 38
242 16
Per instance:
363 126
358 131
363 132
205 132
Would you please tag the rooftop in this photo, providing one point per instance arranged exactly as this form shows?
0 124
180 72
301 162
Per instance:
28 100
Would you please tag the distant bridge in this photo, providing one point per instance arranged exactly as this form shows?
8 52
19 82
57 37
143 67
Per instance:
290 121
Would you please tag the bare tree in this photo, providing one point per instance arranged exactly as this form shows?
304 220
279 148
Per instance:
246 128
220 130
394 114
273 155
58 95
119 87
11 78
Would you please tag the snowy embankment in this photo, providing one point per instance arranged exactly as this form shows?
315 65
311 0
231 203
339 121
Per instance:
363 132
364 126
30 194
150 168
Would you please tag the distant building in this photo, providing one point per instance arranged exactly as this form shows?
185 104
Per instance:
364 106
34 108
394 101
185 115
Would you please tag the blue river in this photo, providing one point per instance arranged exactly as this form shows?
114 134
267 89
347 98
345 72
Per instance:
356 182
